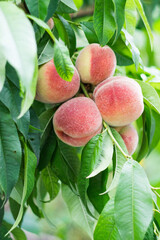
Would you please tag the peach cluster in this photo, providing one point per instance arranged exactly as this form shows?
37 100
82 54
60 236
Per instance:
117 100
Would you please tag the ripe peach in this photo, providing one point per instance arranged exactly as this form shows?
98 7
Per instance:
119 100
130 137
50 23
95 63
51 88
77 121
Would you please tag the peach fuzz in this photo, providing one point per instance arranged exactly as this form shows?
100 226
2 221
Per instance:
51 88
77 121
119 100
95 63
130 138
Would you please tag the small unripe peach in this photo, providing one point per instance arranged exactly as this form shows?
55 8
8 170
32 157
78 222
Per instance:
130 137
51 88
77 121
95 63
119 100
50 23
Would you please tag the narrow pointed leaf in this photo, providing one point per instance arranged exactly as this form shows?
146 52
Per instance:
10 152
11 99
150 96
133 202
50 182
119 159
119 10
134 50
62 61
30 162
106 227
104 23
102 155
95 158
77 210
145 21
38 8
19 53
97 185
130 16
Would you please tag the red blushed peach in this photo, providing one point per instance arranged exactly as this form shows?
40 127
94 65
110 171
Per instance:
51 88
130 138
119 100
95 63
77 121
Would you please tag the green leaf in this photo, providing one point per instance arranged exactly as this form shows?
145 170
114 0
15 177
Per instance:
119 10
47 150
1 211
2 71
130 16
119 160
43 25
52 8
150 233
66 6
60 168
67 34
34 133
134 50
11 99
97 185
89 31
99 152
10 152
30 163
104 23
152 124
46 53
19 53
17 191
14 207
143 16
38 8
3 231
133 202
77 210
17 232
123 53
45 120
96 156
78 3
71 157
62 61
50 182
106 227
150 96
63 170
144 142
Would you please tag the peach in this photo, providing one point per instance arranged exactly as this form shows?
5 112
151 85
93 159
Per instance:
50 23
51 88
77 121
95 63
130 137
119 100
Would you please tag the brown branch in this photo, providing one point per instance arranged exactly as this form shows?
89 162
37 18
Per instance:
88 11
